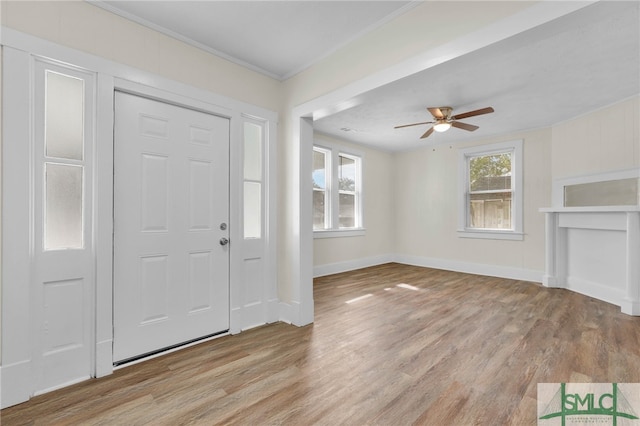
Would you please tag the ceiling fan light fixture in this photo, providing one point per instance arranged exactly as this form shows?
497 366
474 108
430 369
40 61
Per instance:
443 120
442 126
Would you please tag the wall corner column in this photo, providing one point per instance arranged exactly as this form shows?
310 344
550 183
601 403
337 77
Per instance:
306 311
631 303
550 277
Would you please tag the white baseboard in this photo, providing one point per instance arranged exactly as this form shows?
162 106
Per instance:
235 326
291 313
472 268
15 383
630 308
595 290
286 312
350 265
430 262
273 313
104 358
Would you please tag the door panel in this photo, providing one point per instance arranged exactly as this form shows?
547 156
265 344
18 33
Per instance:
171 193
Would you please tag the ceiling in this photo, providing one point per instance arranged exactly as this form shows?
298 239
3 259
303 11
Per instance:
559 70
276 38
567 67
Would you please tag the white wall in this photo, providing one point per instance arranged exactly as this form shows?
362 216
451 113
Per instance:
427 203
425 198
588 145
82 26
332 255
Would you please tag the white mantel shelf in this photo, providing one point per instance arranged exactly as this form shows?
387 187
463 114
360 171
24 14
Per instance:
595 251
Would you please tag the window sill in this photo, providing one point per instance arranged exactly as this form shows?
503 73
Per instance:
491 234
338 233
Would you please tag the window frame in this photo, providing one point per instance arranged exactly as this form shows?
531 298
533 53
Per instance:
515 148
328 176
259 179
43 68
332 192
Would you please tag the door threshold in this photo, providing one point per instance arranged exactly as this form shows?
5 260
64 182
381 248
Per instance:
164 351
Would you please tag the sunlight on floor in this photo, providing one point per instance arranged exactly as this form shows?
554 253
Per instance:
366 296
401 285
408 287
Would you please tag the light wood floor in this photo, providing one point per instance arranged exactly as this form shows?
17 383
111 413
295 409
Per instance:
423 347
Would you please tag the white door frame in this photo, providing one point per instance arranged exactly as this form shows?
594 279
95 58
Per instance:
104 320
17 215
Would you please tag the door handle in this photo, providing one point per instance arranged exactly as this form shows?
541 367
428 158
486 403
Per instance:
224 241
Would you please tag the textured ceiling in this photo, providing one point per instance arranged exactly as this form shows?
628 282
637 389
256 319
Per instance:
565 68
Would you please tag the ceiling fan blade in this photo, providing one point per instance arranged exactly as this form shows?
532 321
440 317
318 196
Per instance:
481 111
464 126
427 133
436 112
413 124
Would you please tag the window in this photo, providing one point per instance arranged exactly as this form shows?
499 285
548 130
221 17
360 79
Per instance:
321 175
64 160
253 178
347 169
337 192
491 191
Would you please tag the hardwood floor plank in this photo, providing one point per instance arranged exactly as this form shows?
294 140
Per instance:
424 347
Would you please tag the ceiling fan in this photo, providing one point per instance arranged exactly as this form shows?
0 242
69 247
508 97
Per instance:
443 120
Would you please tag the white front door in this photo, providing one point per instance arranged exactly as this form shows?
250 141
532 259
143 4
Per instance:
171 215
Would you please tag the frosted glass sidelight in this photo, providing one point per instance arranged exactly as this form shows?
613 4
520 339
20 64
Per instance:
252 151
252 210
63 206
64 116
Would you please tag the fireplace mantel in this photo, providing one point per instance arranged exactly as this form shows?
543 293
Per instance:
595 251
593 237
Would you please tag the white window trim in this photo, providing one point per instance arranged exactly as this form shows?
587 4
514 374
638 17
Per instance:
334 151
336 233
516 147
